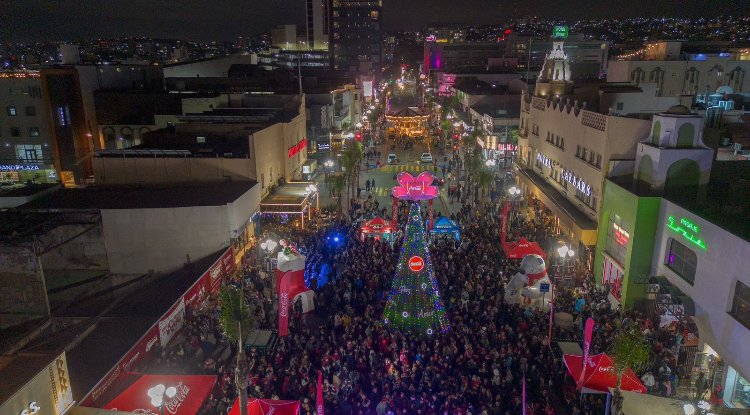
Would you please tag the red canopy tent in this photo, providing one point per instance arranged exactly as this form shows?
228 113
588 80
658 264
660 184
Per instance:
521 248
267 406
378 228
601 375
192 391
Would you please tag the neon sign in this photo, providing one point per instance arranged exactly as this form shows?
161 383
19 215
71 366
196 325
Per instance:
544 160
17 167
560 32
576 181
621 235
687 229
301 145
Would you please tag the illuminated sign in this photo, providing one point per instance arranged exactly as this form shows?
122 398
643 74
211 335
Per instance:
576 181
416 263
560 32
507 147
430 38
17 167
621 235
301 145
544 160
687 229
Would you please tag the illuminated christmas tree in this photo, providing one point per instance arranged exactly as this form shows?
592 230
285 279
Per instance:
414 302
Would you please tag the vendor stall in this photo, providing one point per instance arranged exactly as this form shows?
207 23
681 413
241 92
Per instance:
600 374
445 226
267 406
521 248
176 394
376 228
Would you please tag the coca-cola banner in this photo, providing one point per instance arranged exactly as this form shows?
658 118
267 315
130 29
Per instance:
319 400
190 391
587 333
172 322
285 288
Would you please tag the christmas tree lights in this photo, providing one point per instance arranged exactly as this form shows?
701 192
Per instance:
414 302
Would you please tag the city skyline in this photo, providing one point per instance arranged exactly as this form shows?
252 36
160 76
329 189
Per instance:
224 19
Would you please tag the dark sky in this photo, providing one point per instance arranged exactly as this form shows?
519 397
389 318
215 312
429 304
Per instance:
225 19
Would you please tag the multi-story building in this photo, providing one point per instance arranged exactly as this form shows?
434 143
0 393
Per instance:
318 23
570 139
356 39
673 242
675 73
458 56
587 58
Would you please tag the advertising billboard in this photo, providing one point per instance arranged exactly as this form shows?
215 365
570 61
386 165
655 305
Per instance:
48 392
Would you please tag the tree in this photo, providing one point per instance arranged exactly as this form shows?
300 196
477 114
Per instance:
628 350
414 302
351 159
338 184
236 322
484 180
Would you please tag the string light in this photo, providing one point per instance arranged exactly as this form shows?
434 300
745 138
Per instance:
414 301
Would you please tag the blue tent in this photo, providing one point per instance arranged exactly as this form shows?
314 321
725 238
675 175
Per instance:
443 225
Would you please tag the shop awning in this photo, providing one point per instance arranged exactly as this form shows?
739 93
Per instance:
267 406
570 216
600 374
191 392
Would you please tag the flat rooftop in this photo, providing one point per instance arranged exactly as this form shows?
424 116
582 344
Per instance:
143 196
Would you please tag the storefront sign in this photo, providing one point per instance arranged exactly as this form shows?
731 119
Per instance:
19 167
687 229
621 235
507 147
48 392
544 160
579 184
560 32
324 146
301 145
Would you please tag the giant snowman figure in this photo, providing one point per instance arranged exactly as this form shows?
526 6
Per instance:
524 287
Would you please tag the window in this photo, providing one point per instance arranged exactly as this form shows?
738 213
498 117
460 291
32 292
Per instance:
617 239
12 111
741 304
619 106
578 151
15 132
583 197
34 132
30 111
682 261
27 153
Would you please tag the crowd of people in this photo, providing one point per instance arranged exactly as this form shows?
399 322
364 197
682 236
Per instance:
477 367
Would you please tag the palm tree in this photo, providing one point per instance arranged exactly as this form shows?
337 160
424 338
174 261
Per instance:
338 183
351 159
628 350
484 179
236 322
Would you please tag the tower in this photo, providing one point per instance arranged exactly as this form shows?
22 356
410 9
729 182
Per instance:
555 78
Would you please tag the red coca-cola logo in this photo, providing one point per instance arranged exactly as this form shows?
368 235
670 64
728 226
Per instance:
284 304
416 263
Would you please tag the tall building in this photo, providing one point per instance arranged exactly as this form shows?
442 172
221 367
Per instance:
318 23
356 37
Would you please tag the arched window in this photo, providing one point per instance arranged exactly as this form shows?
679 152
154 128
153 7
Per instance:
736 79
682 260
637 76
656 133
645 173
683 179
685 136
109 136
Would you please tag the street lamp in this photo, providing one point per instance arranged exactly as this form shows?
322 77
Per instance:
514 191
565 253
157 395
372 107
358 125
268 247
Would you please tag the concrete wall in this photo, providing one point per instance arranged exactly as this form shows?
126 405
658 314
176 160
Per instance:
74 247
23 295
241 210
162 240
217 67
725 261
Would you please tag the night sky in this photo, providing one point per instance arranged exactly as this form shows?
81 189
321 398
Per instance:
226 19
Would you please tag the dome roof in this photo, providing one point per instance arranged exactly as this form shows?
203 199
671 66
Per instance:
679 110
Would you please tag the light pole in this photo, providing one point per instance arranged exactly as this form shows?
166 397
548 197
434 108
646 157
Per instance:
565 253
157 395
268 247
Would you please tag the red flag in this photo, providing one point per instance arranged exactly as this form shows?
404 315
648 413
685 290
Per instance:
285 288
524 394
319 403
551 316
503 231
588 331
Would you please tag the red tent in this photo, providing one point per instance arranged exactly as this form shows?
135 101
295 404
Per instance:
377 228
192 391
521 248
267 406
600 374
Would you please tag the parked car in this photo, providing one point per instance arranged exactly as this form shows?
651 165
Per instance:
425 158
392 159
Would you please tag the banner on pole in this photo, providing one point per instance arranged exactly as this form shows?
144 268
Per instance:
588 331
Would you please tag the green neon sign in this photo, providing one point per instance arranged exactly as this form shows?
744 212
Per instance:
687 229
560 32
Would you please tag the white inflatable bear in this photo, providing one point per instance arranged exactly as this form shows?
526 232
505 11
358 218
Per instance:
524 287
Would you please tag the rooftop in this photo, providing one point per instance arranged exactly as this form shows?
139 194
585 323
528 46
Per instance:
473 86
142 196
499 106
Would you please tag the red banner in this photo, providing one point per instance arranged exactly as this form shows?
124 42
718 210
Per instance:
503 231
164 329
285 287
551 316
523 394
266 407
319 403
588 331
